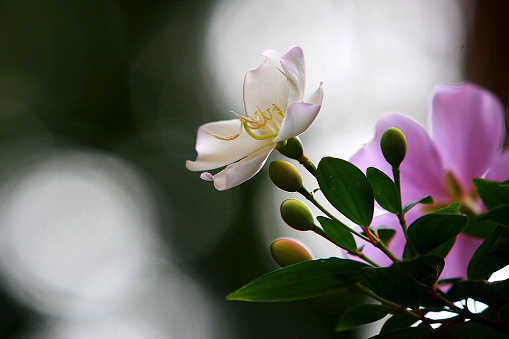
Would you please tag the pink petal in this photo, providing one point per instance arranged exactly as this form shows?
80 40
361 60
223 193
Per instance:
266 85
500 169
422 172
214 153
298 117
468 129
294 67
239 171
457 260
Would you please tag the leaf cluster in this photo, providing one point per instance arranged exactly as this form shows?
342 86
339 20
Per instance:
409 288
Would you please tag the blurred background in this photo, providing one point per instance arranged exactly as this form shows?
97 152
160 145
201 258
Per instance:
105 234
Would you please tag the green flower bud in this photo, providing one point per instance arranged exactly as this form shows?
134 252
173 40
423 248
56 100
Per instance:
285 176
293 149
286 252
297 215
393 145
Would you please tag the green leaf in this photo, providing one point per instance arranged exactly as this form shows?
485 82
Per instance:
498 215
494 294
492 255
492 193
338 234
406 282
398 321
443 249
432 230
427 200
347 189
449 281
479 227
454 208
440 251
361 315
477 330
406 333
385 190
458 331
503 313
301 281
386 235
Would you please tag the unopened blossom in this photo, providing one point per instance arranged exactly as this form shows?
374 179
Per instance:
466 143
274 112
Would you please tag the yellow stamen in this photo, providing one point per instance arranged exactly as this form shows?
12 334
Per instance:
255 136
258 121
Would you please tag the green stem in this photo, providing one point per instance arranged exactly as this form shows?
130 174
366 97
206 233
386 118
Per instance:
399 308
371 237
379 244
320 231
365 258
312 199
308 164
401 216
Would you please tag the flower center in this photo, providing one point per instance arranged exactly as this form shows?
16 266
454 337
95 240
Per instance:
260 125
264 124
469 200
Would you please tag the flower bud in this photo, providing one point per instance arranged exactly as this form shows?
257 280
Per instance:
286 252
293 149
393 145
285 176
297 215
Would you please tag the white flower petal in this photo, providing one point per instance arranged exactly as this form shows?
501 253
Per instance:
239 171
298 117
294 67
214 153
317 97
266 85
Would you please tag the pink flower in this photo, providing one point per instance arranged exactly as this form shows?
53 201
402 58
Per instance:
275 112
466 143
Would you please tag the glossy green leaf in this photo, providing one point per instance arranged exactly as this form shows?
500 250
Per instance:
386 235
385 190
449 281
454 208
301 281
503 313
406 333
432 230
492 255
477 330
361 315
406 282
440 251
492 193
479 227
498 215
347 189
458 331
495 294
427 200
398 321
338 234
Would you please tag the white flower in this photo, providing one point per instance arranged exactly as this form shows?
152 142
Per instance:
274 112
